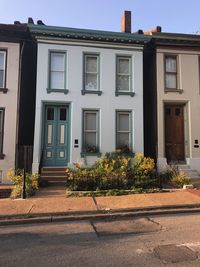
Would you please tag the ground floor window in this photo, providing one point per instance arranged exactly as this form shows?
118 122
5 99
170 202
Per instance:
1 129
90 131
124 130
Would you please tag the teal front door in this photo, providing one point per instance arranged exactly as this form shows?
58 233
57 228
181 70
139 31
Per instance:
55 152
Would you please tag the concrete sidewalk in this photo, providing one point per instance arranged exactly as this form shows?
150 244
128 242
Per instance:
53 202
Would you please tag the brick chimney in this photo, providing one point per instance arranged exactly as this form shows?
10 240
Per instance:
156 30
126 22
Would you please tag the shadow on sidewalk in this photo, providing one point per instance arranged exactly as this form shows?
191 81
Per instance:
52 190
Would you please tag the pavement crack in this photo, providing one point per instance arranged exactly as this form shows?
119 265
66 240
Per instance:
31 208
95 202
94 228
157 223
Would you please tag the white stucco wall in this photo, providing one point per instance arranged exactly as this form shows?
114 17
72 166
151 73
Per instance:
107 103
188 81
8 101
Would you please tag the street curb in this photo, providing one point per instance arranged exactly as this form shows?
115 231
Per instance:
99 211
111 214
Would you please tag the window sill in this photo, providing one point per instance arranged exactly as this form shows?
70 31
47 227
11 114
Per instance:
180 91
83 92
2 156
85 154
4 90
125 93
65 91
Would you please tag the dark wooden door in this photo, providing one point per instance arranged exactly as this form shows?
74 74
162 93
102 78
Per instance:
174 133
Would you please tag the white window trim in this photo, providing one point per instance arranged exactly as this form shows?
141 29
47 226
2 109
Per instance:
2 111
130 74
96 131
130 132
97 73
50 88
4 68
176 74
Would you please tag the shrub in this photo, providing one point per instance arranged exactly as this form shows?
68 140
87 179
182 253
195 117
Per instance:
144 172
175 177
80 177
180 179
113 171
166 176
32 181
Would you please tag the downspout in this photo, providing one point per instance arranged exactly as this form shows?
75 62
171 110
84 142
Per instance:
18 102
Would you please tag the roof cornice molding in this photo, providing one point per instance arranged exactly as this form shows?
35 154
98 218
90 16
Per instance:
51 32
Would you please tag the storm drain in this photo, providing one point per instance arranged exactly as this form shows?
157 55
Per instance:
174 253
130 226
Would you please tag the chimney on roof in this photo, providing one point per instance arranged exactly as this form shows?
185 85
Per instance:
157 29
17 22
140 32
30 20
40 22
126 22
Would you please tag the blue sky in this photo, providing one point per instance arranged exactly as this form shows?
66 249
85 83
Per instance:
173 15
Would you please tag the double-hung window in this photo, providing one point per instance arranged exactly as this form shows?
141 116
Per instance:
1 131
124 130
57 72
124 75
90 131
171 72
2 69
91 82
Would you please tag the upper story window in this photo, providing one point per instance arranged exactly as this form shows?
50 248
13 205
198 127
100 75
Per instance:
124 75
171 72
124 131
3 70
57 72
91 73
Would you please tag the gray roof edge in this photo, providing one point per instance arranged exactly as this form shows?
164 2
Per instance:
180 36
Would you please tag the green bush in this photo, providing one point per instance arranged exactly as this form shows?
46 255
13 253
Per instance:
144 172
180 179
165 176
174 177
32 181
113 171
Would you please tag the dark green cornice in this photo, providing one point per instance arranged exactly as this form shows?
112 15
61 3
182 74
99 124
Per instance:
85 34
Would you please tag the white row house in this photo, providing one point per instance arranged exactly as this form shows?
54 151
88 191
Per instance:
89 94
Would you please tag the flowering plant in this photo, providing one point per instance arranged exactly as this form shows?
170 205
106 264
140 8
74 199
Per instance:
32 181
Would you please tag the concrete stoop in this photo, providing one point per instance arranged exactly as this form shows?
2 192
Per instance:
193 174
53 174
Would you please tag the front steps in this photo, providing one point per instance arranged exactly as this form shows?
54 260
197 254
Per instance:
53 174
193 174
5 191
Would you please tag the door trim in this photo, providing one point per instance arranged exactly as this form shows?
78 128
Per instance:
183 105
53 103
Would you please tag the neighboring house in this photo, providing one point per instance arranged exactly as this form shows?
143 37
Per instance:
17 82
172 99
89 94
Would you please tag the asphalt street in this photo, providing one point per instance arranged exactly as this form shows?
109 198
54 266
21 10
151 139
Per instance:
150 241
